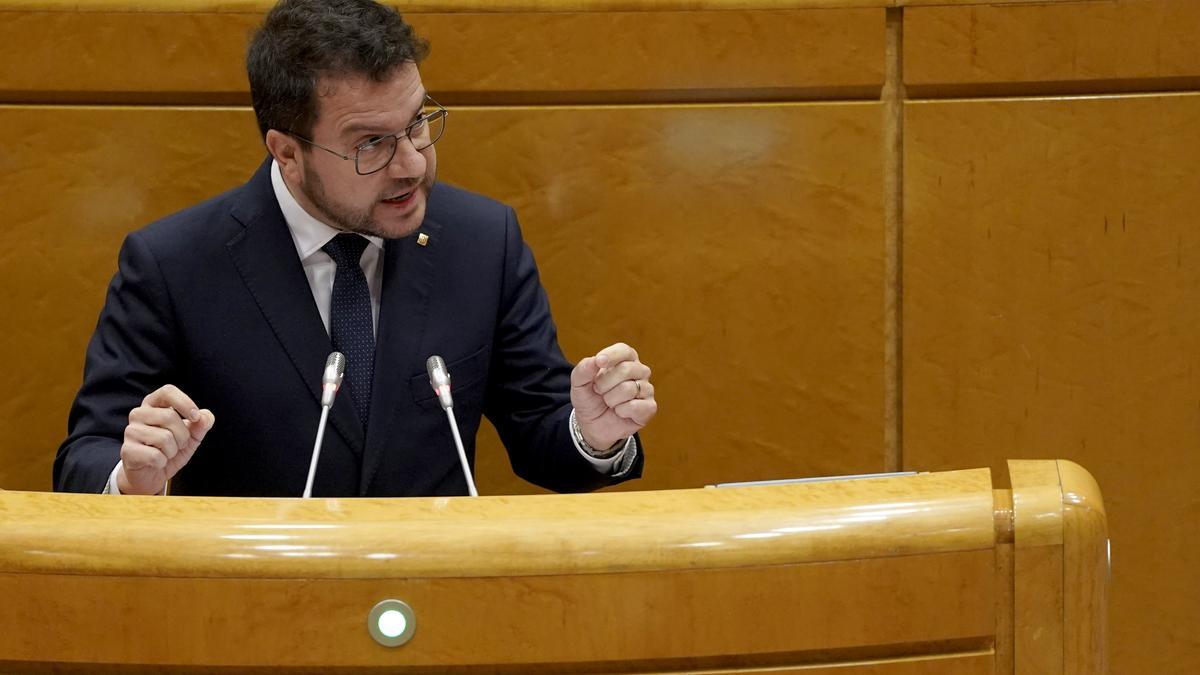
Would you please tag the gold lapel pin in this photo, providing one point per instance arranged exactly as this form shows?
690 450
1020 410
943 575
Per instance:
422 239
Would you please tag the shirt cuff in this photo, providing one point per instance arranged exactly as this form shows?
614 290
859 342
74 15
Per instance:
110 488
615 465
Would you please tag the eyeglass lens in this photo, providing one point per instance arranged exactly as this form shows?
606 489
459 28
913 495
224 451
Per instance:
422 134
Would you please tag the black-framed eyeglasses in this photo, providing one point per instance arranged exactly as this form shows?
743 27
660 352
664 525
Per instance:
375 154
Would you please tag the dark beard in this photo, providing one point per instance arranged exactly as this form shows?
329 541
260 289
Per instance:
361 222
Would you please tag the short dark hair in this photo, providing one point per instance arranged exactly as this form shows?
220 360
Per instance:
303 40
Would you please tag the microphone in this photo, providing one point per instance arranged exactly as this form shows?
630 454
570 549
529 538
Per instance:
439 379
331 381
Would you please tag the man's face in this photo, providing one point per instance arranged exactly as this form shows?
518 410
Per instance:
352 110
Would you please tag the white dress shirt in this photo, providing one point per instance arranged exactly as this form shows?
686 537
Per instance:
309 235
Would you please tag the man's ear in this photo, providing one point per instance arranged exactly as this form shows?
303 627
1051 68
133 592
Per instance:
287 153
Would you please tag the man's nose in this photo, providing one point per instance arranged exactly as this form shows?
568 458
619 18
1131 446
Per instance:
408 162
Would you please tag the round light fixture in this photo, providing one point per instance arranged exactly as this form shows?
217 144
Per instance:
391 623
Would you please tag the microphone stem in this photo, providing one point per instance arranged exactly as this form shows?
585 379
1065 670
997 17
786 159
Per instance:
462 454
316 453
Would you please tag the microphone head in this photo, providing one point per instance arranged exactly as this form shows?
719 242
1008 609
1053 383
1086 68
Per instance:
439 379
436 368
335 369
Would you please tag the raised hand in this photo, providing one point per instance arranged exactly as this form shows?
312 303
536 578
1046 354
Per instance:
162 435
612 395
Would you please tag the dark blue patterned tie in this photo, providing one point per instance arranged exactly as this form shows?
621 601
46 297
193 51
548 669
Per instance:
350 323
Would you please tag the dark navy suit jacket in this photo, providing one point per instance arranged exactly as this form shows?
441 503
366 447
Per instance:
214 299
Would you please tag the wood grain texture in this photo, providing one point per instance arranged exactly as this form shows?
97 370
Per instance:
618 620
1039 568
1003 653
638 56
1061 569
1037 503
483 6
76 180
1052 308
455 6
1085 548
147 57
1094 46
888 575
185 58
852 571
492 536
966 663
893 233
739 248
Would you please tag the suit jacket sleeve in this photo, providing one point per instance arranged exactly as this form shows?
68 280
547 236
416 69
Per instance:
528 399
129 356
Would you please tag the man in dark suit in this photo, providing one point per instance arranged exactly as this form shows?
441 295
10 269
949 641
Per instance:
341 240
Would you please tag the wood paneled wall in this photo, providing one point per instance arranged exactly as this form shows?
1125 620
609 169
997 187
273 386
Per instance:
1051 281
849 235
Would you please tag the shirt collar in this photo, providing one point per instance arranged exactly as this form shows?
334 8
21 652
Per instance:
308 233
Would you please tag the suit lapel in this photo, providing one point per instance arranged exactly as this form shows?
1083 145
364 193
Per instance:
408 273
265 256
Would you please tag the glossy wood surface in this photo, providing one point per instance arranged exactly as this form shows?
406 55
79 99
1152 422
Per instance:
483 6
1039 572
1004 656
458 6
1061 568
789 575
738 247
1086 553
1051 48
631 56
774 615
185 58
76 180
785 578
1052 305
966 663
891 575
494 536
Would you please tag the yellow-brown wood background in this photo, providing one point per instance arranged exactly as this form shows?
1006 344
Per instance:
849 235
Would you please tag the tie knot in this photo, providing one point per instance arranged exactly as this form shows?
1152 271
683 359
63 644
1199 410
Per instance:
346 249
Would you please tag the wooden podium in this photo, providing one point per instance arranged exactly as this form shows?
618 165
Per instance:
928 573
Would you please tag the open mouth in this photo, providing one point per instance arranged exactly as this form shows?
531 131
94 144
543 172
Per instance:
401 199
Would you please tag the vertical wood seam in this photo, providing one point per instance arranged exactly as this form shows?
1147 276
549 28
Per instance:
1005 646
893 96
